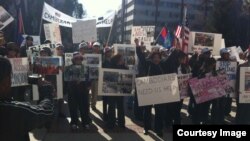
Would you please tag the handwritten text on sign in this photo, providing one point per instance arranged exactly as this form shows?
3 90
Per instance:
157 89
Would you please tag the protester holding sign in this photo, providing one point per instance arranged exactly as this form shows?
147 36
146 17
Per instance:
242 112
94 83
116 102
78 97
152 68
176 63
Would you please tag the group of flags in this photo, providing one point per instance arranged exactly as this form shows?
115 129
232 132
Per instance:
181 34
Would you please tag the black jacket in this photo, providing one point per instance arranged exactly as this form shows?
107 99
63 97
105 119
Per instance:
18 118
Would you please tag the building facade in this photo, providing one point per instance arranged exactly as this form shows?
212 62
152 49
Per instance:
143 12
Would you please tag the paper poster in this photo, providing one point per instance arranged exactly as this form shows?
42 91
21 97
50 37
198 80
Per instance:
143 33
127 51
53 15
94 62
230 69
244 89
34 51
115 82
200 40
5 18
84 31
183 84
47 65
52 32
36 40
57 83
206 89
20 69
157 89
75 73
68 59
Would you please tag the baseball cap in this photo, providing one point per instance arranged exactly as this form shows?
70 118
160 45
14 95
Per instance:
83 45
205 50
224 50
59 45
96 44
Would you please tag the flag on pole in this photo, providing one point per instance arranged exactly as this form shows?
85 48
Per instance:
186 32
20 28
178 31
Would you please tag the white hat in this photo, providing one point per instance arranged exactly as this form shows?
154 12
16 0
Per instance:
96 44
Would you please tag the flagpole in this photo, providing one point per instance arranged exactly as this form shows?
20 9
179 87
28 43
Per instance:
41 22
158 35
110 30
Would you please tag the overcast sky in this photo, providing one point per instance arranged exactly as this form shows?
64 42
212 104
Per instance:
99 7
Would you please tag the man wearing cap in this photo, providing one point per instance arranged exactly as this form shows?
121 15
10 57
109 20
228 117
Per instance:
94 83
28 43
82 47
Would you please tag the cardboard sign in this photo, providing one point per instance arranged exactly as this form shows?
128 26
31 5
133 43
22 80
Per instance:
244 89
230 69
206 89
20 69
143 33
157 89
183 84
115 82
84 30
5 18
47 65
52 32
56 81
200 40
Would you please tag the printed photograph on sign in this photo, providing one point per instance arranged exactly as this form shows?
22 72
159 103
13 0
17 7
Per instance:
46 65
5 18
128 53
202 39
93 72
247 81
115 82
68 59
92 60
75 73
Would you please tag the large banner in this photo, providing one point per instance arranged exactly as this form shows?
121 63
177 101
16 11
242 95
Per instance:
84 30
230 69
53 15
56 81
206 89
183 84
5 18
200 40
157 89
20 69
244 89
143 33
52 32
106 21
115 82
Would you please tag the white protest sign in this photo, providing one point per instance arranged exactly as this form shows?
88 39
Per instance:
52 32
244 90
116 82
143 33
5 18
106 21
36 40
84 30
53 15
20 69
157 89
230 69
183 84
56 81
68 59
200 40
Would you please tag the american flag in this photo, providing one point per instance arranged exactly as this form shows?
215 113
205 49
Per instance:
178 31
185 39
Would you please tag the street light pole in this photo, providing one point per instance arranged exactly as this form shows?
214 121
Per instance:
156 15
